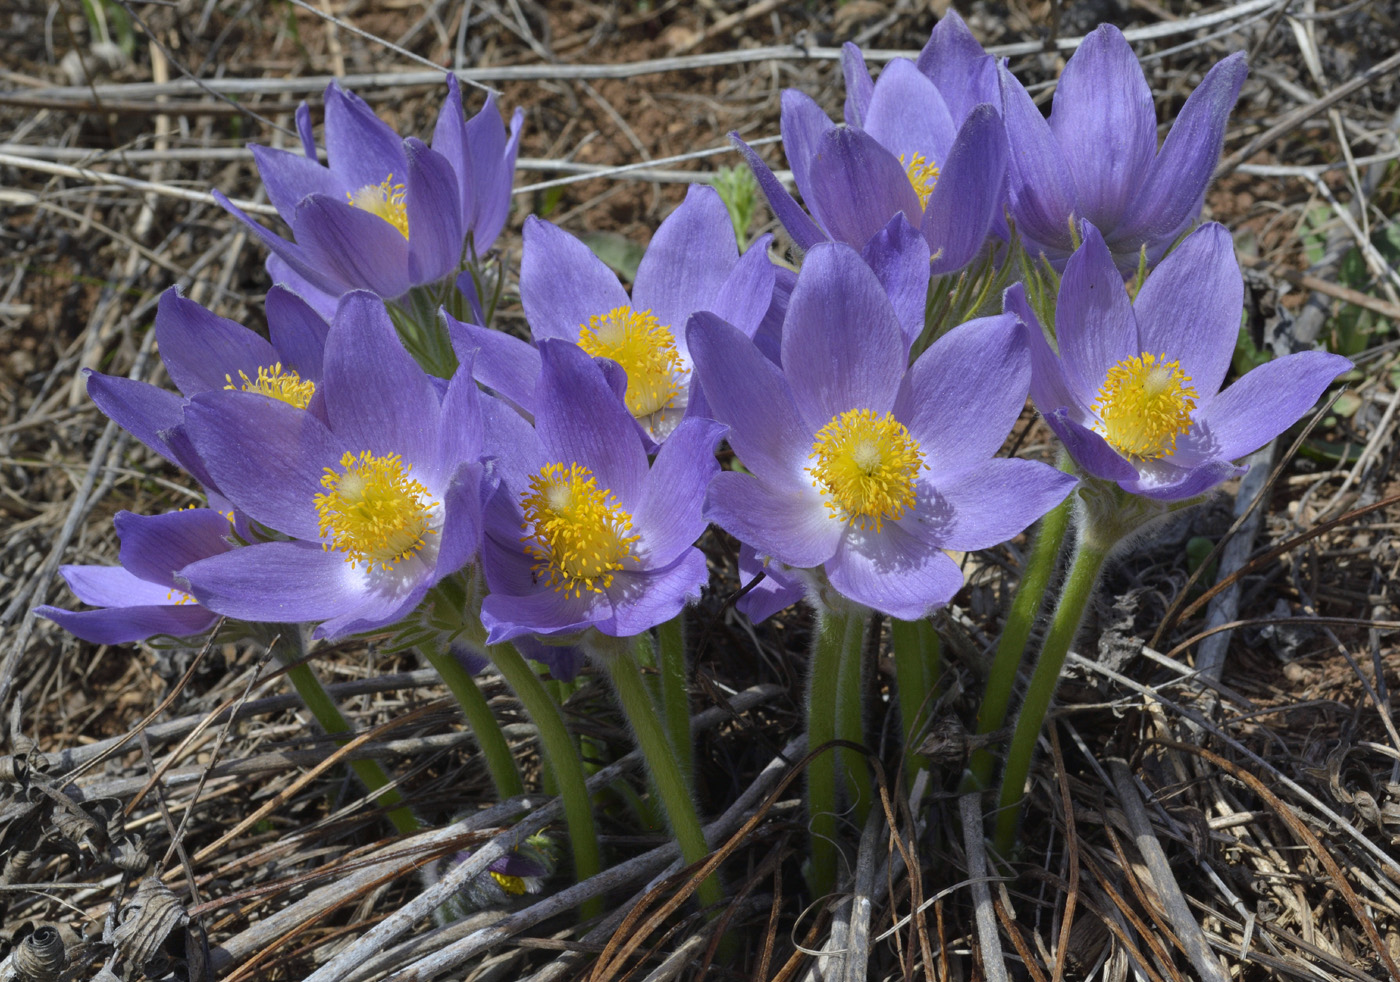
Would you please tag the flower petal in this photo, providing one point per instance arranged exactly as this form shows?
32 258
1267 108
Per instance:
843 347
289 177
893 572
856 186
641 601
964 73
797 223
988 503
968 195
283 275
908 116
155 546
791 524
123 625
503 363
142 409
668 518
749 393
115 586
562 283
462 522
363 149
297 331
1162 481
201 350
1104 120
493 168
859 86
688 260
803 124
899 255
1049 390
1089 450
747 292
962 396
1268 400
357 247
1189 309
1095 325
295 256
778 589
1041 187
435 232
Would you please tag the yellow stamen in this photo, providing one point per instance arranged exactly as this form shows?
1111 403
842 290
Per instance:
276 382
923 175
644 348
373 511
1144 405
867 465
577 531
385 199
179 597
512 885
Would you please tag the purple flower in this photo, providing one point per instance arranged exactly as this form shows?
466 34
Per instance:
693 263
141 598
203 352
909 148
378 498
1096 157
581 531
386 214
1134 391
859 465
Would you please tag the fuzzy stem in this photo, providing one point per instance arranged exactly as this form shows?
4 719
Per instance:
657 750
561 755
850 722
1030 597
916 663
675 696
370 773
1079 587
822 691
500 762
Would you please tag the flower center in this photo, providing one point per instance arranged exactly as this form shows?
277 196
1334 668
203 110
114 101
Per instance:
278 383
373 511
578 532
513 885
923 175
644 348
385 199
1144 405
867 465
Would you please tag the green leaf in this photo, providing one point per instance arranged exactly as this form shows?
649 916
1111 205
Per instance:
619 252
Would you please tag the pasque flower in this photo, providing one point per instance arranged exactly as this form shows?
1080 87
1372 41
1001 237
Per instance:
386 214
581 531
1134 390
378 497
858 464
908 148
203 352
693 263
140 597
1096 157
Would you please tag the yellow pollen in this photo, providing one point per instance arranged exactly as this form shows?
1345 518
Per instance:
373 511
923 175
577 531
512 885
385 199
1144 405
179 597
867 465
644 348
278 383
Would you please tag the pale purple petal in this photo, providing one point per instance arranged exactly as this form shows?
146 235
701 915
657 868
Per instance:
509 615
289 177
1041 186
1162 481
562 283
1049 390
298 332
899 255
842 343
462 521
668 518
503 363
1268 400
965 74
513 445
450 140
856 186
747 293
792 523
859 87
358 247
688 260
749 393
283 275
1104 120
893 572
363 149
803 125
276 583
115 586
1089 450
581 420
123 625
200 349
968 195
965 392
1095 323
142 409
493 166
155 546
908 116
988 503
460 434
795 221
1189 308
296 258
305 131
777 590
643 600
434 215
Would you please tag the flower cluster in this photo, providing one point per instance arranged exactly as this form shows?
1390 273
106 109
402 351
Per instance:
550 493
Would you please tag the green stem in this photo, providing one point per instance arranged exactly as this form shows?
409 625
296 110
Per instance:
917 656
675 695
850 718
656 749
1079 587
561 755
823 683
1030 597
370 773
500 762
